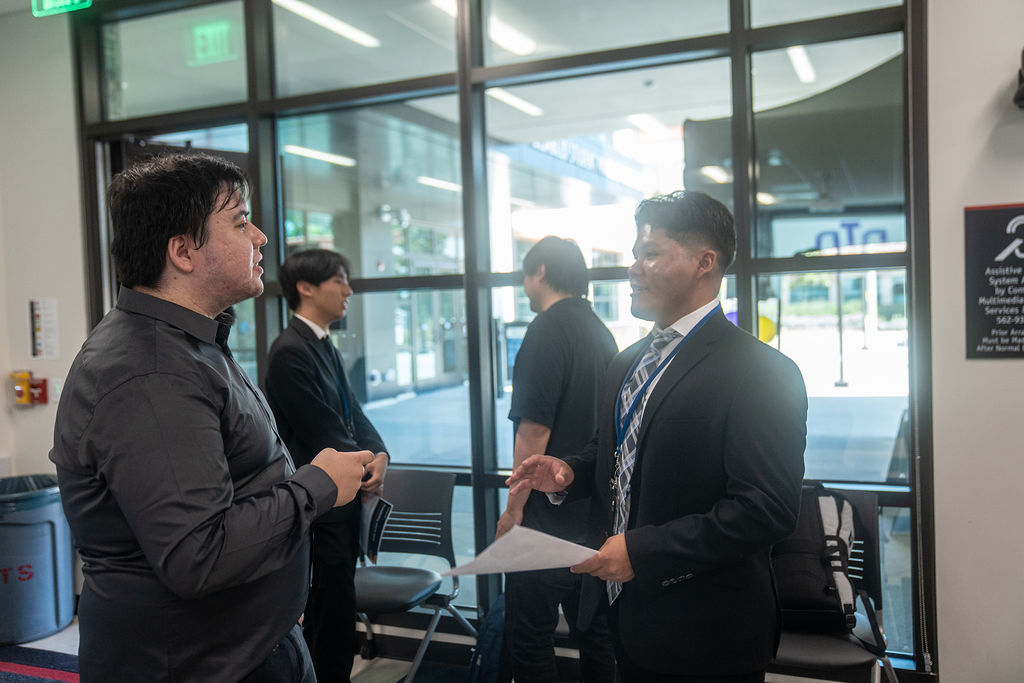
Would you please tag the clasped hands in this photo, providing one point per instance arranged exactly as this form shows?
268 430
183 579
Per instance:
352 472
551 475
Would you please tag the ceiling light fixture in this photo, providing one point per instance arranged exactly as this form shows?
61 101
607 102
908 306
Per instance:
766 198
716 173
648 124
500 33
327 21
801 62
514 101
335 159
439 184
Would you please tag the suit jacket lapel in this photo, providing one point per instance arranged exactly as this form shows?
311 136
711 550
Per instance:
694 350
319 351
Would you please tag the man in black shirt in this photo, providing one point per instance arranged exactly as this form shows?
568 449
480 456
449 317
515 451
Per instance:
556 382
189 516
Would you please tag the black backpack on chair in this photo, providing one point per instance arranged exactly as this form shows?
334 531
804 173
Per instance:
812 565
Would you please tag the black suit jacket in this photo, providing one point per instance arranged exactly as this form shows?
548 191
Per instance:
304 391
716 483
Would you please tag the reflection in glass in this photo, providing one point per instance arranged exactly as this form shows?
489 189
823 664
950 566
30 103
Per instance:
329 44
379 184
174 61
519 30
243 338
768 12
847 331
405 355
552 171
233 138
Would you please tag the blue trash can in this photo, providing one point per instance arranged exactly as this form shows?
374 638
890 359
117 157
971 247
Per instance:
36 575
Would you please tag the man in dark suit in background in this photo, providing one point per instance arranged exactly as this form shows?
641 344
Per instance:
314 406
696 469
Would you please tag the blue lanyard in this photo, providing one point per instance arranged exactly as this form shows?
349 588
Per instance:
622 424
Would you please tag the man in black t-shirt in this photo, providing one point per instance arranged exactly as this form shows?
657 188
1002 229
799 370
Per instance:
556 382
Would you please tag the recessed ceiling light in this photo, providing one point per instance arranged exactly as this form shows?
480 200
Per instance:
500 33
514 101
716 173
439 184
329 22
766 198
801 62
336 159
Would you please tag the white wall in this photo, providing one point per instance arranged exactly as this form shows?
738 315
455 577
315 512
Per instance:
41 252
976 157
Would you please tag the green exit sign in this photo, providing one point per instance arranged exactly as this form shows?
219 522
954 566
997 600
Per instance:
210 43
42 8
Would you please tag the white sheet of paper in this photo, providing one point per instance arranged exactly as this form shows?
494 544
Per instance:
522 549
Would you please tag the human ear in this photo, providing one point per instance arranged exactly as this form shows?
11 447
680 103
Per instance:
305 289
179 253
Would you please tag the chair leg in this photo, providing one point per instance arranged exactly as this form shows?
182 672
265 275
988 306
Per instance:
462 620
369 649
418 659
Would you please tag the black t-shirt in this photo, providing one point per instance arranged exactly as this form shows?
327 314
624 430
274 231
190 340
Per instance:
556 382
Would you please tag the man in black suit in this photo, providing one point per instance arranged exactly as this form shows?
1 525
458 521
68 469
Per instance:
314 406
696 468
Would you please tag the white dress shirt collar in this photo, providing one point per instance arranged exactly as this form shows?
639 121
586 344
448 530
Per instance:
317 330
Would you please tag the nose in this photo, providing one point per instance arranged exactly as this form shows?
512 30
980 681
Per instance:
633 269
260 238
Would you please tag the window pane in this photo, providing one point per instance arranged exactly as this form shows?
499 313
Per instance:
897 583
520 30
327 44
380 184
573 158
854 362
234 138
767 12
512 314
405 354
174 61
829 128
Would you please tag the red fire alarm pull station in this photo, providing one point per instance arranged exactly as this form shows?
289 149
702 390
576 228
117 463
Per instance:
28 390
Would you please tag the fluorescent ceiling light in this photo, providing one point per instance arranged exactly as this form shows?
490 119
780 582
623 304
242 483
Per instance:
766 198
511 39
801 64
515 102
647 123
716 173
500 33
439 184
331 23
446 6
335 159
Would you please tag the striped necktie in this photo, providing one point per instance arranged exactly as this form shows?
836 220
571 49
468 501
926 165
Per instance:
625 457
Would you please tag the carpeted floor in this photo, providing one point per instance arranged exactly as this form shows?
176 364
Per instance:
30 665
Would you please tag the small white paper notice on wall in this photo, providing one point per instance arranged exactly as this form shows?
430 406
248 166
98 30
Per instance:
45 333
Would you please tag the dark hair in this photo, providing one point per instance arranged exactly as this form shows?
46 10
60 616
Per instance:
565 270
155 200
690 217
310 265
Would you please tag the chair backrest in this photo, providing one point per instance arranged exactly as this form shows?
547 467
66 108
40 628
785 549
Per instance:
865 558
421 520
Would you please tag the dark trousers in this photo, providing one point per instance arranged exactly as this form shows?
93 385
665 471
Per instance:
288 662
329 624
531 615
629 671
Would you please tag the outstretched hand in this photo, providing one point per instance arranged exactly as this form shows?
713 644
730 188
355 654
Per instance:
543 473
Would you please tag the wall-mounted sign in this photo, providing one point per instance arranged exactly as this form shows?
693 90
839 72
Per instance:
994 253
210 43
43 8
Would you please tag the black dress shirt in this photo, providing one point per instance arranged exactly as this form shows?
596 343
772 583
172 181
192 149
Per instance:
190 519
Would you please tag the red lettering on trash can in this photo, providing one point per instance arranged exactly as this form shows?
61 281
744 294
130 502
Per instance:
3 573
25 572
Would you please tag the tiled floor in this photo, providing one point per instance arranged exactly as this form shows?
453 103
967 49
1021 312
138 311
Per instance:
377 670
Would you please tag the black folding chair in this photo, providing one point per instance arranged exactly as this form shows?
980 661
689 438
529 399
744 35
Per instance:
850 657
420 523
